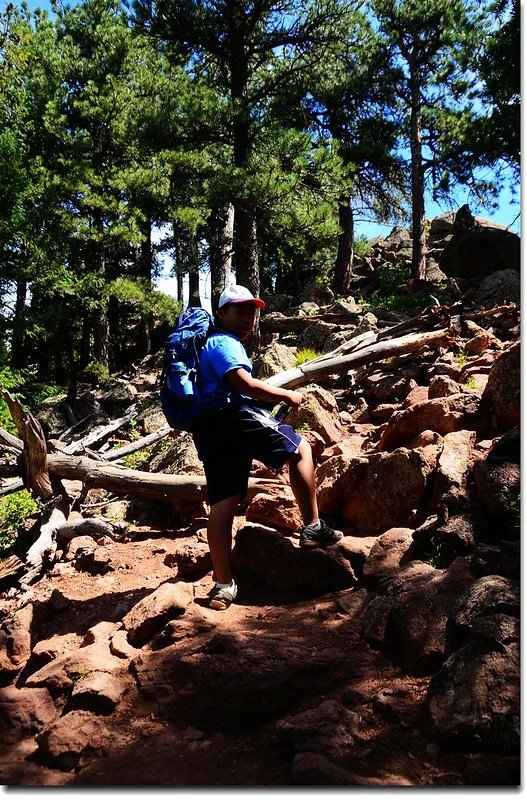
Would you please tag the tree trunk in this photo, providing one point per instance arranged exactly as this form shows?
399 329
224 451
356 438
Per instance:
193 273
246 249
344 261
144 262
101 335
221 227
418 188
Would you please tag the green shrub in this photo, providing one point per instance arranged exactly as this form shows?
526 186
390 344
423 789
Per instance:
95 372
14 509
361 246
387 280
390 276
306 354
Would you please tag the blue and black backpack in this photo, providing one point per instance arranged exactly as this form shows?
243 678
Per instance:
181 398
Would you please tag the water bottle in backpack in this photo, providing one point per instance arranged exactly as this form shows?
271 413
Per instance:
180 393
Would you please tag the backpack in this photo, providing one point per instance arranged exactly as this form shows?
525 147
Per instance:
180 393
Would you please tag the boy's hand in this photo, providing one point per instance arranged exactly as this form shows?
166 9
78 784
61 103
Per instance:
294 399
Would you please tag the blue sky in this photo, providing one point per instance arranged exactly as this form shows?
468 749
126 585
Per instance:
507 212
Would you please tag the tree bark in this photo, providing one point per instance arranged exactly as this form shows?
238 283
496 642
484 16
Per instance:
344 260
156 485
33 456
221 227
418 188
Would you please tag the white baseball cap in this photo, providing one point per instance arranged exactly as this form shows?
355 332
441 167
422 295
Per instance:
239 294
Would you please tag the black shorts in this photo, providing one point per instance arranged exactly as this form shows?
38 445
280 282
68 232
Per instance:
227 441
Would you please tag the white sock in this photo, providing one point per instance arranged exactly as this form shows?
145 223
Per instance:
225 585
316 525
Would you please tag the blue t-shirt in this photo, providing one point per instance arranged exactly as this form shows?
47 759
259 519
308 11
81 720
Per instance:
222 353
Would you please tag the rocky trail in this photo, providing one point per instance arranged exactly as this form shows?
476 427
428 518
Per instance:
389 659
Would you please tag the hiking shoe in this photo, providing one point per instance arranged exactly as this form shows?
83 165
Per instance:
310 537
222 596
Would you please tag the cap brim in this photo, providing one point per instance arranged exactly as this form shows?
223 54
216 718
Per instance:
256 301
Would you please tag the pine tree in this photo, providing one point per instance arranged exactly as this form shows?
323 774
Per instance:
433 45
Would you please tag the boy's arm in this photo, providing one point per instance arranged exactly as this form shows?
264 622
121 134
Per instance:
244 382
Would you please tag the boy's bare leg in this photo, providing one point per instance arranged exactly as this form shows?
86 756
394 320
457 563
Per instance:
219 536
302 479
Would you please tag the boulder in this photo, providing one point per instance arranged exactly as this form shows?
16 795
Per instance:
99 692
23 712
315 337
318 412
60 675
441 538
454 464
150 614
487 596
501 396
327 728
277 358
387 553
499 288
476 250
181 458
74 740
374 492
442 386
18 640
443 415
315 292
275 510
274 559
420 616
474 699
236 681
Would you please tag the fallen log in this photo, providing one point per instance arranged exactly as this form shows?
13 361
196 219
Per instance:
100 434
93 526
280 323
10 442
314 370
42 552
148 484
146 441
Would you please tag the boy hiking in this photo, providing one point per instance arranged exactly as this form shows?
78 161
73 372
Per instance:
233 430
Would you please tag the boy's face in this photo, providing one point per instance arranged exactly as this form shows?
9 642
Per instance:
238 318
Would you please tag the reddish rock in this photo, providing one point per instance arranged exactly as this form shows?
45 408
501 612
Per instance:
23 712
327 728
443 415
99 692
454 464
152 613
273 558
419 394
502 392
430 445
79 545
420 617
18 641
373 493
60 675
276 510
319 412
387 554
443 386
74 740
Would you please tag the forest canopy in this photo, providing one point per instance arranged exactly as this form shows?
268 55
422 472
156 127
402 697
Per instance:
231 136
